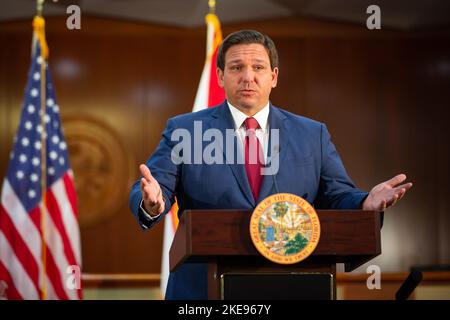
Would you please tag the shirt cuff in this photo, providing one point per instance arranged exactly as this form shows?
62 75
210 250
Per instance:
146 213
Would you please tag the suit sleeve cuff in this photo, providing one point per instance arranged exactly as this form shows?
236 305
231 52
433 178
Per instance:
146 220
146 213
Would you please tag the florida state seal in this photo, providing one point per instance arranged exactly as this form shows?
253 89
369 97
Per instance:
285 228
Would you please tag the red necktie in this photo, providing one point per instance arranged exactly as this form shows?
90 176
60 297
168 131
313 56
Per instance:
253 156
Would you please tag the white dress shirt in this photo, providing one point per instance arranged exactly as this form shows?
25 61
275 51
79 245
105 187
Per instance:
262 133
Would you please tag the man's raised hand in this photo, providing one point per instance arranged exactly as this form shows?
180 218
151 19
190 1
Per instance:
386 194
151 192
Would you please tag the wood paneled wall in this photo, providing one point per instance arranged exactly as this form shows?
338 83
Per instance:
383 95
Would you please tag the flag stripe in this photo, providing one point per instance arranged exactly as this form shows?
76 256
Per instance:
19 276
56 248
51 294
216 94
53 210
69 219
32 233
22 252
169 233
71 194
13 294
66 224
55 268
27 229
24 226
201 99
54 276
53 287
173 221
35 218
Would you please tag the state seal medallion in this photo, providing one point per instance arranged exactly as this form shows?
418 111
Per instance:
285 228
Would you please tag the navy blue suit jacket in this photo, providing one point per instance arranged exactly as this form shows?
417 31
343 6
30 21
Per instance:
309 166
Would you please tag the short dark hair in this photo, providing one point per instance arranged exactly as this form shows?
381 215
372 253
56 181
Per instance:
247 37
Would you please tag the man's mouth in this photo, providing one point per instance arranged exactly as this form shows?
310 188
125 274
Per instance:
247 91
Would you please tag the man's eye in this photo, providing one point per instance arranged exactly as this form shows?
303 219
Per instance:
236 68
259 67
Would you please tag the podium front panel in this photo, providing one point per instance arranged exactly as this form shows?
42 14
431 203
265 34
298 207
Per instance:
277 286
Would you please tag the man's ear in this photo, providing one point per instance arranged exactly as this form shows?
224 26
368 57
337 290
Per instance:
274 77
219 73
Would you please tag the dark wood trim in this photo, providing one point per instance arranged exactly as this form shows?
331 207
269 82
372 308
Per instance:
121 280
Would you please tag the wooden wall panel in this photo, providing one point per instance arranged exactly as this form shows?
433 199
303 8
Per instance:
383 96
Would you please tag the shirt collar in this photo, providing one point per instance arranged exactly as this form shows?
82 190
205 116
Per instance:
239 117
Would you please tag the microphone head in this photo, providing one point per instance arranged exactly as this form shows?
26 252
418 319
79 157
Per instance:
274 151
408 286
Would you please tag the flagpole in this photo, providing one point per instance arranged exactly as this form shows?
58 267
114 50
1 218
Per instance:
39 7
43 179
212 21
212 6
38 26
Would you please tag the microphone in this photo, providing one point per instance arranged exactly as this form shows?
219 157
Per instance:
275 152
411 282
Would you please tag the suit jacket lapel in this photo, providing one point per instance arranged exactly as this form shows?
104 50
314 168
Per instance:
223 120
276 121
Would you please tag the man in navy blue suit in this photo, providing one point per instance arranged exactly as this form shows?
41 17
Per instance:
280 152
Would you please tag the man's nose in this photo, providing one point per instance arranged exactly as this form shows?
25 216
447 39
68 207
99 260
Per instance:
248 75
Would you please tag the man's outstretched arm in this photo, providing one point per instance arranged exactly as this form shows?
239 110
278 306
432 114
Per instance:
152 196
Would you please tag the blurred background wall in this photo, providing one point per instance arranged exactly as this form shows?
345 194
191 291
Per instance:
383 94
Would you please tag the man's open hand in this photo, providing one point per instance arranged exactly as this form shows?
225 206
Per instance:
386 194
151 192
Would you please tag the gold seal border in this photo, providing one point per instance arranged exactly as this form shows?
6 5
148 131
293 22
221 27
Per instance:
257 241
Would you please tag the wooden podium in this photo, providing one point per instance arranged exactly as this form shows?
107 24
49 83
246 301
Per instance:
221 238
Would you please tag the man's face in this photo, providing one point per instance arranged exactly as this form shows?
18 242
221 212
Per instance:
247 77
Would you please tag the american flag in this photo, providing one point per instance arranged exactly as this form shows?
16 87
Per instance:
23 273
